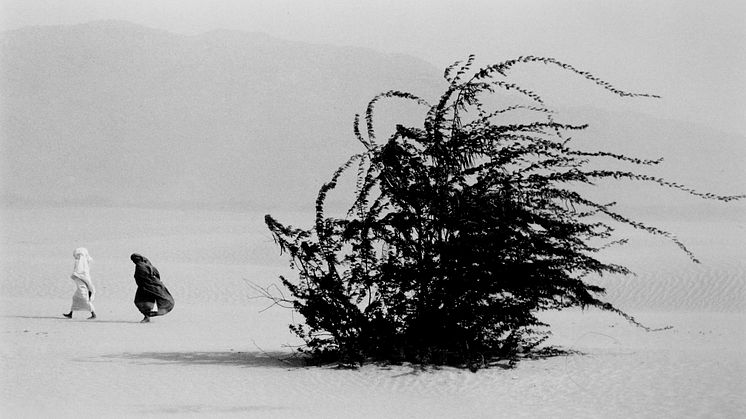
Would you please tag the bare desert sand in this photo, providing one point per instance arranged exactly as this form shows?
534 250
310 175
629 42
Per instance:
219 355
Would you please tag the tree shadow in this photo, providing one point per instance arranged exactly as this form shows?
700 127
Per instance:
543 353
285 360
232 358
551 352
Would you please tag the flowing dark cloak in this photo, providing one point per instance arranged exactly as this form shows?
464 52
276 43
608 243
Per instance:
150 290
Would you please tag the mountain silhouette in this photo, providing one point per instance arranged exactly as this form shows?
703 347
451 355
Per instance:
112 113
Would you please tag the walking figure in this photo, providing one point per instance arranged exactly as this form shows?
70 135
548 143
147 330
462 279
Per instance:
85 292
152 297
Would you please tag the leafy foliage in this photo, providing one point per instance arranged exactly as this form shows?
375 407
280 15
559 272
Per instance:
461 230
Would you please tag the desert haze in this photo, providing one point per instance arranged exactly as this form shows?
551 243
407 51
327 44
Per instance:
114 113
111 113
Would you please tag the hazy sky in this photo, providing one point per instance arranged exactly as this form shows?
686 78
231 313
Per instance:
692 53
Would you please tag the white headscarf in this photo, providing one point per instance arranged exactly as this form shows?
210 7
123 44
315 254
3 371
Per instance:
81 269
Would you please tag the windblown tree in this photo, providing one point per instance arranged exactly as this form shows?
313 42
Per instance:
460 230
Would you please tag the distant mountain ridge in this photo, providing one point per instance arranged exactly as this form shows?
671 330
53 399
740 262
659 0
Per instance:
115 113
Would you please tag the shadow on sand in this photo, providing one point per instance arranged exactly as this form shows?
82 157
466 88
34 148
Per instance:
241 359
291 361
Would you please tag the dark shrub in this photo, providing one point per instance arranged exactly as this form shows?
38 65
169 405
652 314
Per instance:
461 230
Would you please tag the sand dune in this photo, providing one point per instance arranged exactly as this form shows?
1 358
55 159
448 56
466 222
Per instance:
218 354
209 255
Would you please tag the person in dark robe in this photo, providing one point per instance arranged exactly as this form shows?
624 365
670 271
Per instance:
152 297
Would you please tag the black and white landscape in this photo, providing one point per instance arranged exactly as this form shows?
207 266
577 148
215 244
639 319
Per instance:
122 131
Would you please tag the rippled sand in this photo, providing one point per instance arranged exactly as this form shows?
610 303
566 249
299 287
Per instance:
218 354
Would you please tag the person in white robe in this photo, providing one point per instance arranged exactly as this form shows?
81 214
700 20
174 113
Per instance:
85 292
